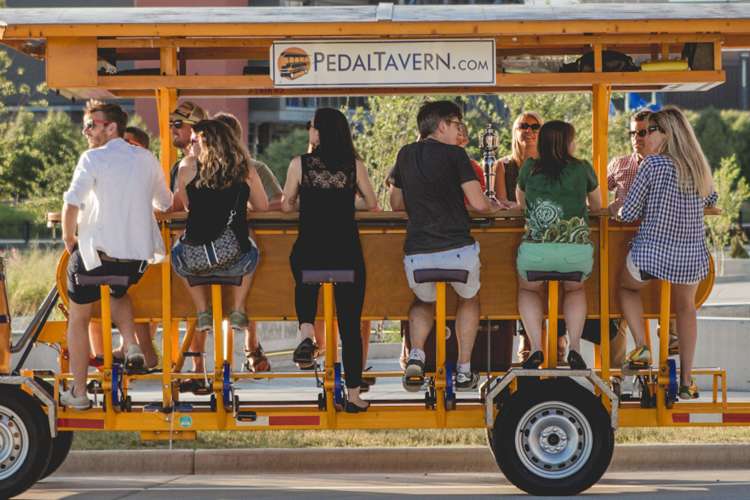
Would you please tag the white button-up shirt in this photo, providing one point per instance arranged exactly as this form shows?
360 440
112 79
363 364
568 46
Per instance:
117 187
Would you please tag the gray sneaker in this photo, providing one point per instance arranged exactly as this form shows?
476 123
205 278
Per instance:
67 398
466 381
205 321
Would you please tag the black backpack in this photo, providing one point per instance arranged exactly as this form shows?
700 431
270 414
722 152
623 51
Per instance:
611 61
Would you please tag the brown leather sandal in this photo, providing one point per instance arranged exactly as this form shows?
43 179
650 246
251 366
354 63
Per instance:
256 361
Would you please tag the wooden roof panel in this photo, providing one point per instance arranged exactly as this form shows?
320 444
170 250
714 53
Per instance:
225 21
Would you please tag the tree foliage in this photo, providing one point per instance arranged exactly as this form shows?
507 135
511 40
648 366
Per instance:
278 153
732 189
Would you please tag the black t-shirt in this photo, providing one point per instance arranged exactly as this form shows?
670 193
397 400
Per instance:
430 175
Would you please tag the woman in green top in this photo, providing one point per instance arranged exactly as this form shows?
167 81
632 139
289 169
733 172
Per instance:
553 191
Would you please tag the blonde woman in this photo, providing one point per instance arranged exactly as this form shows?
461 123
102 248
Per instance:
216 190
523 146
668 196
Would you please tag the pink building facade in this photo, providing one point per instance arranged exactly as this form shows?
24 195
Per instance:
239 107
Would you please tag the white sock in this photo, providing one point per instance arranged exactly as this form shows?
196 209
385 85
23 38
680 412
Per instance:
417 354
464 367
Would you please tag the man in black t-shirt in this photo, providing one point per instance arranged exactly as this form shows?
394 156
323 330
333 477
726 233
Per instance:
430 180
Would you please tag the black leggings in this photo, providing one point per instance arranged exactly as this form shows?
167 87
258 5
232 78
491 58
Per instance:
349 299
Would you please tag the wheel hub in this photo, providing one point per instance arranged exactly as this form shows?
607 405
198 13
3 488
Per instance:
14 442
553 439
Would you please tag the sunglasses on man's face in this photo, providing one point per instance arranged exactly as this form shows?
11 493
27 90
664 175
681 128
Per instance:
176 124
91 123
640 133
533 126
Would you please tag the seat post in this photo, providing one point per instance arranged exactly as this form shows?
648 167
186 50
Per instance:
553 295
331 351
218 317
663 378
106 314
440 378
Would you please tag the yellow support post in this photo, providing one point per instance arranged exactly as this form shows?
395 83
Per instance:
440 380
663 378
218 316
600 122
4 324
109 411
166 101
329 383
553 296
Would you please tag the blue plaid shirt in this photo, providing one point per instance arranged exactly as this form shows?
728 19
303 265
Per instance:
670 243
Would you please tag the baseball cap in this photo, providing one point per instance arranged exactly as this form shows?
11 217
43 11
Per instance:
188 112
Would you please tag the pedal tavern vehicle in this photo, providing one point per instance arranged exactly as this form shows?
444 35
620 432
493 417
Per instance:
551 431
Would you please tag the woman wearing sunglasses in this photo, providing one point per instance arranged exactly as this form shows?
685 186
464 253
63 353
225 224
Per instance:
668 195
523 146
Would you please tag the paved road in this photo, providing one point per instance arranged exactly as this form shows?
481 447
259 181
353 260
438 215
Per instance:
682 485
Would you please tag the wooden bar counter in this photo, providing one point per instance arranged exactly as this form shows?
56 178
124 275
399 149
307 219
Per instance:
388 295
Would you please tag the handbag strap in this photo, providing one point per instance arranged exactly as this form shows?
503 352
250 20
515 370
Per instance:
233 212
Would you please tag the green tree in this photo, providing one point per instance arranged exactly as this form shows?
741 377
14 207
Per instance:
57 142
279 152
732 189
714 136
20 166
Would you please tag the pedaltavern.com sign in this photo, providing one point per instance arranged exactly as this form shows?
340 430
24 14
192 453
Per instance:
370 63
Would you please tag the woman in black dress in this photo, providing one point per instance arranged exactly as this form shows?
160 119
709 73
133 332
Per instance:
323 185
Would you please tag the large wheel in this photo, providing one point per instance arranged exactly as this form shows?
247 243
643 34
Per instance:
25 441
553 437
61 443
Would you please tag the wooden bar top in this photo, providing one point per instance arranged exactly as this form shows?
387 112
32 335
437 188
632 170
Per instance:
369 216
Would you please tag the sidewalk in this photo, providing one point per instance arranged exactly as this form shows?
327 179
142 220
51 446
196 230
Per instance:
379 460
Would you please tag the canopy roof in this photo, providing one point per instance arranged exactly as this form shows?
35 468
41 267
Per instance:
236 21
75 41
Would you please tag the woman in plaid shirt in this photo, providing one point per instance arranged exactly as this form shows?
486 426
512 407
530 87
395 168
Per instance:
668 195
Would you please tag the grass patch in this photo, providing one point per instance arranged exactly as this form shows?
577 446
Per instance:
29 275
384 438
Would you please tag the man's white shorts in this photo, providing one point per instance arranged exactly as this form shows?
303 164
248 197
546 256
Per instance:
465 258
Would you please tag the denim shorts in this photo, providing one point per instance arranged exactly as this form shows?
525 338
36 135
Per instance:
246 264
466 258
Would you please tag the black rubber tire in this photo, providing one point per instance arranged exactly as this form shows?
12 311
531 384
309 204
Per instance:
490 434
32 421
560 396
60 444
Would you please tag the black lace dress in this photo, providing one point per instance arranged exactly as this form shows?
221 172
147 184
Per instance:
329 239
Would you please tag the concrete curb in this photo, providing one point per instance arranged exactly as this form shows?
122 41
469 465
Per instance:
379 460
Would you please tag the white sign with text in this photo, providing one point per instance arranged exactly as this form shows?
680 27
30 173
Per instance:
396 63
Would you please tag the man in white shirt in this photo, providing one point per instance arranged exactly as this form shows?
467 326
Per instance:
115 188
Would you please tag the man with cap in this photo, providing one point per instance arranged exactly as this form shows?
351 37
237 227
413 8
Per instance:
181 122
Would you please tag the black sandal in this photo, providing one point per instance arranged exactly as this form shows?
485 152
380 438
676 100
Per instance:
535 361
575 361
353 408
304 354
